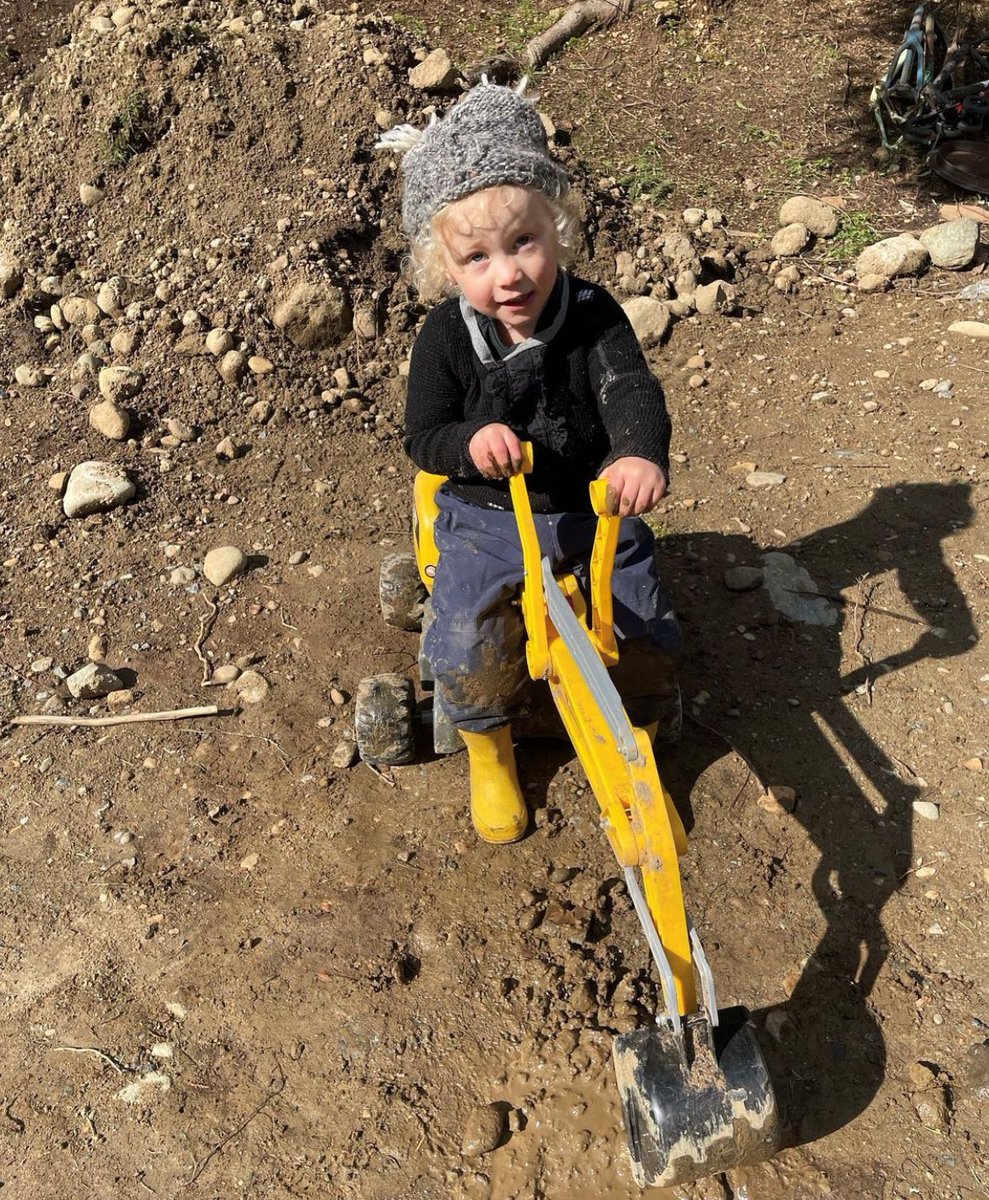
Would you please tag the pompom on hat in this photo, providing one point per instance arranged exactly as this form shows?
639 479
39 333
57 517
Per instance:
492 136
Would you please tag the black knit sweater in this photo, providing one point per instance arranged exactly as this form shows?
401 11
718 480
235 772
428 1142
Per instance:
580 390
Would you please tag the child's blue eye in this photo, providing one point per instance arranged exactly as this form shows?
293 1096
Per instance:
476 258
524 239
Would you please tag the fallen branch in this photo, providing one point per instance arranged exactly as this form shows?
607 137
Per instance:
578 19
175 714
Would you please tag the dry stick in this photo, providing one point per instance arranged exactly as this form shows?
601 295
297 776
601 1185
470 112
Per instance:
837 598
266 1100
578 19
107 1058
176 714
205 626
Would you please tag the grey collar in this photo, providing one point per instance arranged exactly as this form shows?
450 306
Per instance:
540 338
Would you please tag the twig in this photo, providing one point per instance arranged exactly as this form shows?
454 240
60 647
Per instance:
265 1101
380 774
176 714
577 19
205 627
107 1058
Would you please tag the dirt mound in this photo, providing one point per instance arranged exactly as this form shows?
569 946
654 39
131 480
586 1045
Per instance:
234 959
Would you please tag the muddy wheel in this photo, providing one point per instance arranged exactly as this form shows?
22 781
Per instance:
383 717
400 592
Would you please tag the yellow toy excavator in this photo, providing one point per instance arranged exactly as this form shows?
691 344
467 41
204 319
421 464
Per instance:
696 1094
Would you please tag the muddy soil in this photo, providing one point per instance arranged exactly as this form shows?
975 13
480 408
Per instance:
233 967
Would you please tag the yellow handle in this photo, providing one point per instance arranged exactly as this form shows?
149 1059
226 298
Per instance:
533 596
602 566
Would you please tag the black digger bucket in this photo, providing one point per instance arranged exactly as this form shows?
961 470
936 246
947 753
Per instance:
696 1102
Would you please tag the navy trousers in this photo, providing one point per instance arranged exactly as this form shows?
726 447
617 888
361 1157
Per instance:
476 643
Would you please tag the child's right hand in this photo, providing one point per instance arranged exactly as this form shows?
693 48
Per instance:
496 451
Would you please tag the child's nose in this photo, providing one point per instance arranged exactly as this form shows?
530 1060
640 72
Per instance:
508 270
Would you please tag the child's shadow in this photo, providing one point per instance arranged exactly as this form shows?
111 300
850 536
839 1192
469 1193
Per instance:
794 722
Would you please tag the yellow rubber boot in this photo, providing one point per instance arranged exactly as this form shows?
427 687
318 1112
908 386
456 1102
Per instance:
497 807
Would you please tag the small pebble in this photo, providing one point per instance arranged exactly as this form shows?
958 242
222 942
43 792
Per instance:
484 1130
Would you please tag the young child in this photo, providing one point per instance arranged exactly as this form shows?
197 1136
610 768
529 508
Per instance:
523 351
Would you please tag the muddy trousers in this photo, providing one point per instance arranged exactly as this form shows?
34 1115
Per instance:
476 643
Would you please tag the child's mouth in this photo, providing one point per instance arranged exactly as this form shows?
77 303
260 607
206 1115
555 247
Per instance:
517 301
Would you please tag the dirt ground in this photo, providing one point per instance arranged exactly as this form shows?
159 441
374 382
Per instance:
233 968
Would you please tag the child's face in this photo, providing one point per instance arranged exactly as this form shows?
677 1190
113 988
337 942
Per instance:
501 249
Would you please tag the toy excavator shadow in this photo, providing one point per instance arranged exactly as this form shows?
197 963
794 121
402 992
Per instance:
796 724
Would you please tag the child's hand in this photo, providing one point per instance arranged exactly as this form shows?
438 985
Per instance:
496 451
637 483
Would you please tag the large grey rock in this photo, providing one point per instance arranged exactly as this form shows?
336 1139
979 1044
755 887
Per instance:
900 255
952 244
314 316
820 218
120 382
92 681
96 487
790 240
792 591
11 278
222 563
650 318
436 73
79 310
717 297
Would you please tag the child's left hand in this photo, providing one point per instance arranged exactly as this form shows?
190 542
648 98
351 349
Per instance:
637 483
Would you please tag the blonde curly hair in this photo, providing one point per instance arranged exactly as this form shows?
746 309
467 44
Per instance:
427 262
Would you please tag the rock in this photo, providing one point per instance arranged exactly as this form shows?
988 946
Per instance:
223 563
712 298
892 257
112 297
926 809
760 479
11 278
147 1088
976 329
90 195
821 219
932 1107
313 316
790 240
79 311
29 376
650 318
952 244
226 673
873 283
344 755
120 382
180 430
436 73
973 764
182 576
484 1130
226 448
258 365
58 481
693 218
219 341
251 687
338 697
110 419
791 591
96 650
262 412
96 487
93 681
120 699
232 367
975 1075
743 579
778 800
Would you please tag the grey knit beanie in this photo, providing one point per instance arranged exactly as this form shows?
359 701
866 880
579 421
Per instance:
492 136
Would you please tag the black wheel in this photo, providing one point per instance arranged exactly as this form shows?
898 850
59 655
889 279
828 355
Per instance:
383 718
400 592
